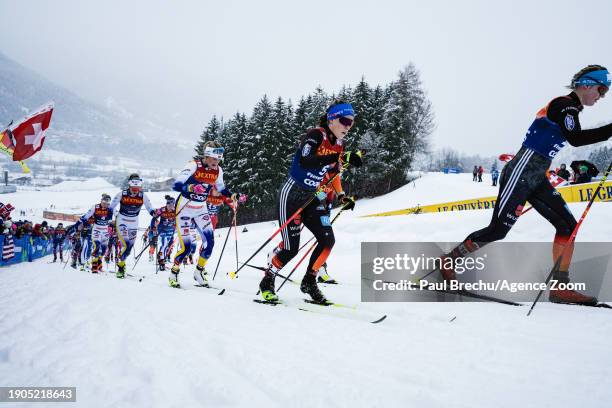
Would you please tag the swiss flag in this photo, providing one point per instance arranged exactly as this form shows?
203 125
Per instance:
29 134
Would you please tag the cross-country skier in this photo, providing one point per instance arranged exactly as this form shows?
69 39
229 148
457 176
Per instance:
166 224
72 233
102 216
130 200
151 240
524 177
321 151
59 235
85 234
112 244
195 183
192 249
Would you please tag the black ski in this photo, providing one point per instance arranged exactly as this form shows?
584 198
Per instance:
475 296
221 290
319 311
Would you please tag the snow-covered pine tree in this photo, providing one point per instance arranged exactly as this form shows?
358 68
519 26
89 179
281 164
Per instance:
300 118
284 141
260 158
317 104
407 123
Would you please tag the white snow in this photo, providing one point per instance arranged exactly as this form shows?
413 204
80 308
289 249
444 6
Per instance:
125 343
96 183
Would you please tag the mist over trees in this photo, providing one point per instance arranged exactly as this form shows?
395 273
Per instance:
393 125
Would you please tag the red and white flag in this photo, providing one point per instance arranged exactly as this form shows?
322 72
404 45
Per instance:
29 134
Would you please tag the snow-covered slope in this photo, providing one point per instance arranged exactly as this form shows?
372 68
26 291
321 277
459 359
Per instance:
129 343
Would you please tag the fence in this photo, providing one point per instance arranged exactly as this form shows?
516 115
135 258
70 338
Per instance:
28 249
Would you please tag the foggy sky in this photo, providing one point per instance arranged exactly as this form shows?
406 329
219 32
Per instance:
487 66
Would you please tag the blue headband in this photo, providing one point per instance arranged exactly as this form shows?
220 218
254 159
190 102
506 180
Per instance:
601 77
338 111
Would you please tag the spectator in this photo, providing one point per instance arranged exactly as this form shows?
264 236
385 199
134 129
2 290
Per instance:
475 173
494 176
583 176
563 172
480 172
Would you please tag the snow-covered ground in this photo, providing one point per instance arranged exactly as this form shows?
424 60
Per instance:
126 343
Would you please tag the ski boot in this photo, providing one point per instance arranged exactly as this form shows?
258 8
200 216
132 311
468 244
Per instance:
568 296
266 286
73 265
201 276
120 270
94 266
324 277
309 286
54 259
173 278
446 269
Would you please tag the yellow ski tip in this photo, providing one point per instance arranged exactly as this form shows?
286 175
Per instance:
232 274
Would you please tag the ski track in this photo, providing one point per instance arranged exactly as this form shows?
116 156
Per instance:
125 343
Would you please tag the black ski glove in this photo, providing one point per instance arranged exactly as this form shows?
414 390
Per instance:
348 203
353 158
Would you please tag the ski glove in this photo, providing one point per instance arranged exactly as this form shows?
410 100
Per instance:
239 197
321 195
348 203
198 189
353 158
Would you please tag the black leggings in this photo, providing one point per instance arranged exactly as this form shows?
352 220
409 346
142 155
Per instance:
524 179
315 217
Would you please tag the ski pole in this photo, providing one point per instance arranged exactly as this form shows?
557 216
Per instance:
234 274
314 244
229 229
572 237
138 257
236 235
156 257
183 207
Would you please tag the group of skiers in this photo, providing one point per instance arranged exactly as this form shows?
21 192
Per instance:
313 186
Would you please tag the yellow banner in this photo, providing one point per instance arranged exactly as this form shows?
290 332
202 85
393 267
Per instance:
571 194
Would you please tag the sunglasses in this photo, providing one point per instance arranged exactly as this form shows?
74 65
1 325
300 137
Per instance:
346 121
602 90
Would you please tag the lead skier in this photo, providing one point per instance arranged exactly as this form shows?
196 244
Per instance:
524 177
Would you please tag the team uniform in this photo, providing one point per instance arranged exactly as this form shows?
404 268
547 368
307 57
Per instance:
59 235
99 233
72 233
85 237
112 243
126 223
191 207
166 224
150 238
214 203
316 158
524 179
